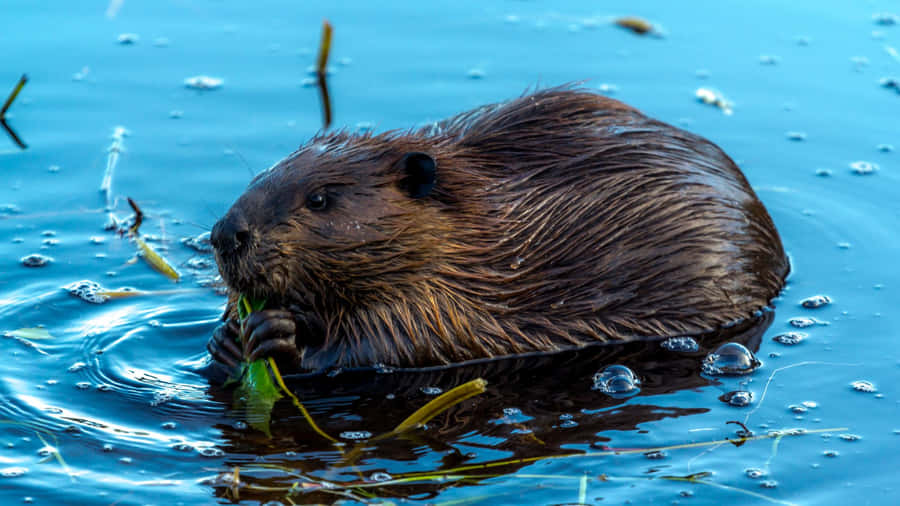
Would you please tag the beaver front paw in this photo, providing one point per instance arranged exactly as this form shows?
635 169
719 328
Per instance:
272 333
223 346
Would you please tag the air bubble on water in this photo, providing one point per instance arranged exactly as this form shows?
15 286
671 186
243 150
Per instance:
182 447
567 424
356 435
198 263
431 390
810 404
797 409
863 168
886 19
77 366
82 385
211 451
126 460
12 472
816 301
199 243
617 381
790 338
46 451
824 172
107 447
684 344
864 386
88 291
655 455
885 148
169 425
768 484
796 136
475 73
36 260
730 359
512 411
830 453
754 473
202 82
380 476
127 39
768 59
737 398
802 322
850 437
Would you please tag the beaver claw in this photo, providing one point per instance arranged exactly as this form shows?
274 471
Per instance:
271 333
222 346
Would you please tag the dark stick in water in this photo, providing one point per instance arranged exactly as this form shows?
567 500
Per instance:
6 105
321 64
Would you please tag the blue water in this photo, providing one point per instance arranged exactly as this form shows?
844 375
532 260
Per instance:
115 389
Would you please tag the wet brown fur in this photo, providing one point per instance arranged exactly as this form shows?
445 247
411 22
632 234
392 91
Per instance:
559 219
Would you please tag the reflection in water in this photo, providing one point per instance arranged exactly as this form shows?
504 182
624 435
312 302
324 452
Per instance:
534 407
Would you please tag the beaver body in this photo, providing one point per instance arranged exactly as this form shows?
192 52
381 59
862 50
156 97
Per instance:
554 221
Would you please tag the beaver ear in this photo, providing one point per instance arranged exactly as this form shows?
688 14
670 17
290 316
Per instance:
420 174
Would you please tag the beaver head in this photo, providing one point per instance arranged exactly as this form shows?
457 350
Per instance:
556 220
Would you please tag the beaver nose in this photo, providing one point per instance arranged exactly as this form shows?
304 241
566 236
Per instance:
231 234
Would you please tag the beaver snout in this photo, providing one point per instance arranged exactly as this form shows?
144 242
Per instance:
231 235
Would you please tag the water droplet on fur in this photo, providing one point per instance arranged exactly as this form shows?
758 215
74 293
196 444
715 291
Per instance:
730 359
737 398
35 260
863 168
512 411
683 344
517 263
431 390
864 386
356 435
617 381
790 338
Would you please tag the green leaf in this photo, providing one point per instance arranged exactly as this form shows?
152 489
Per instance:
256 395
31 333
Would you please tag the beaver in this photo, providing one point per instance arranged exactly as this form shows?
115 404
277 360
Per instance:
552 221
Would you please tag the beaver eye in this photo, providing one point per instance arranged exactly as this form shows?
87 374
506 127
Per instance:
316 201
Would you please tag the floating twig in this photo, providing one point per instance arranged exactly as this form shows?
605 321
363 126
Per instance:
14 94
9 100
152 257
321 73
